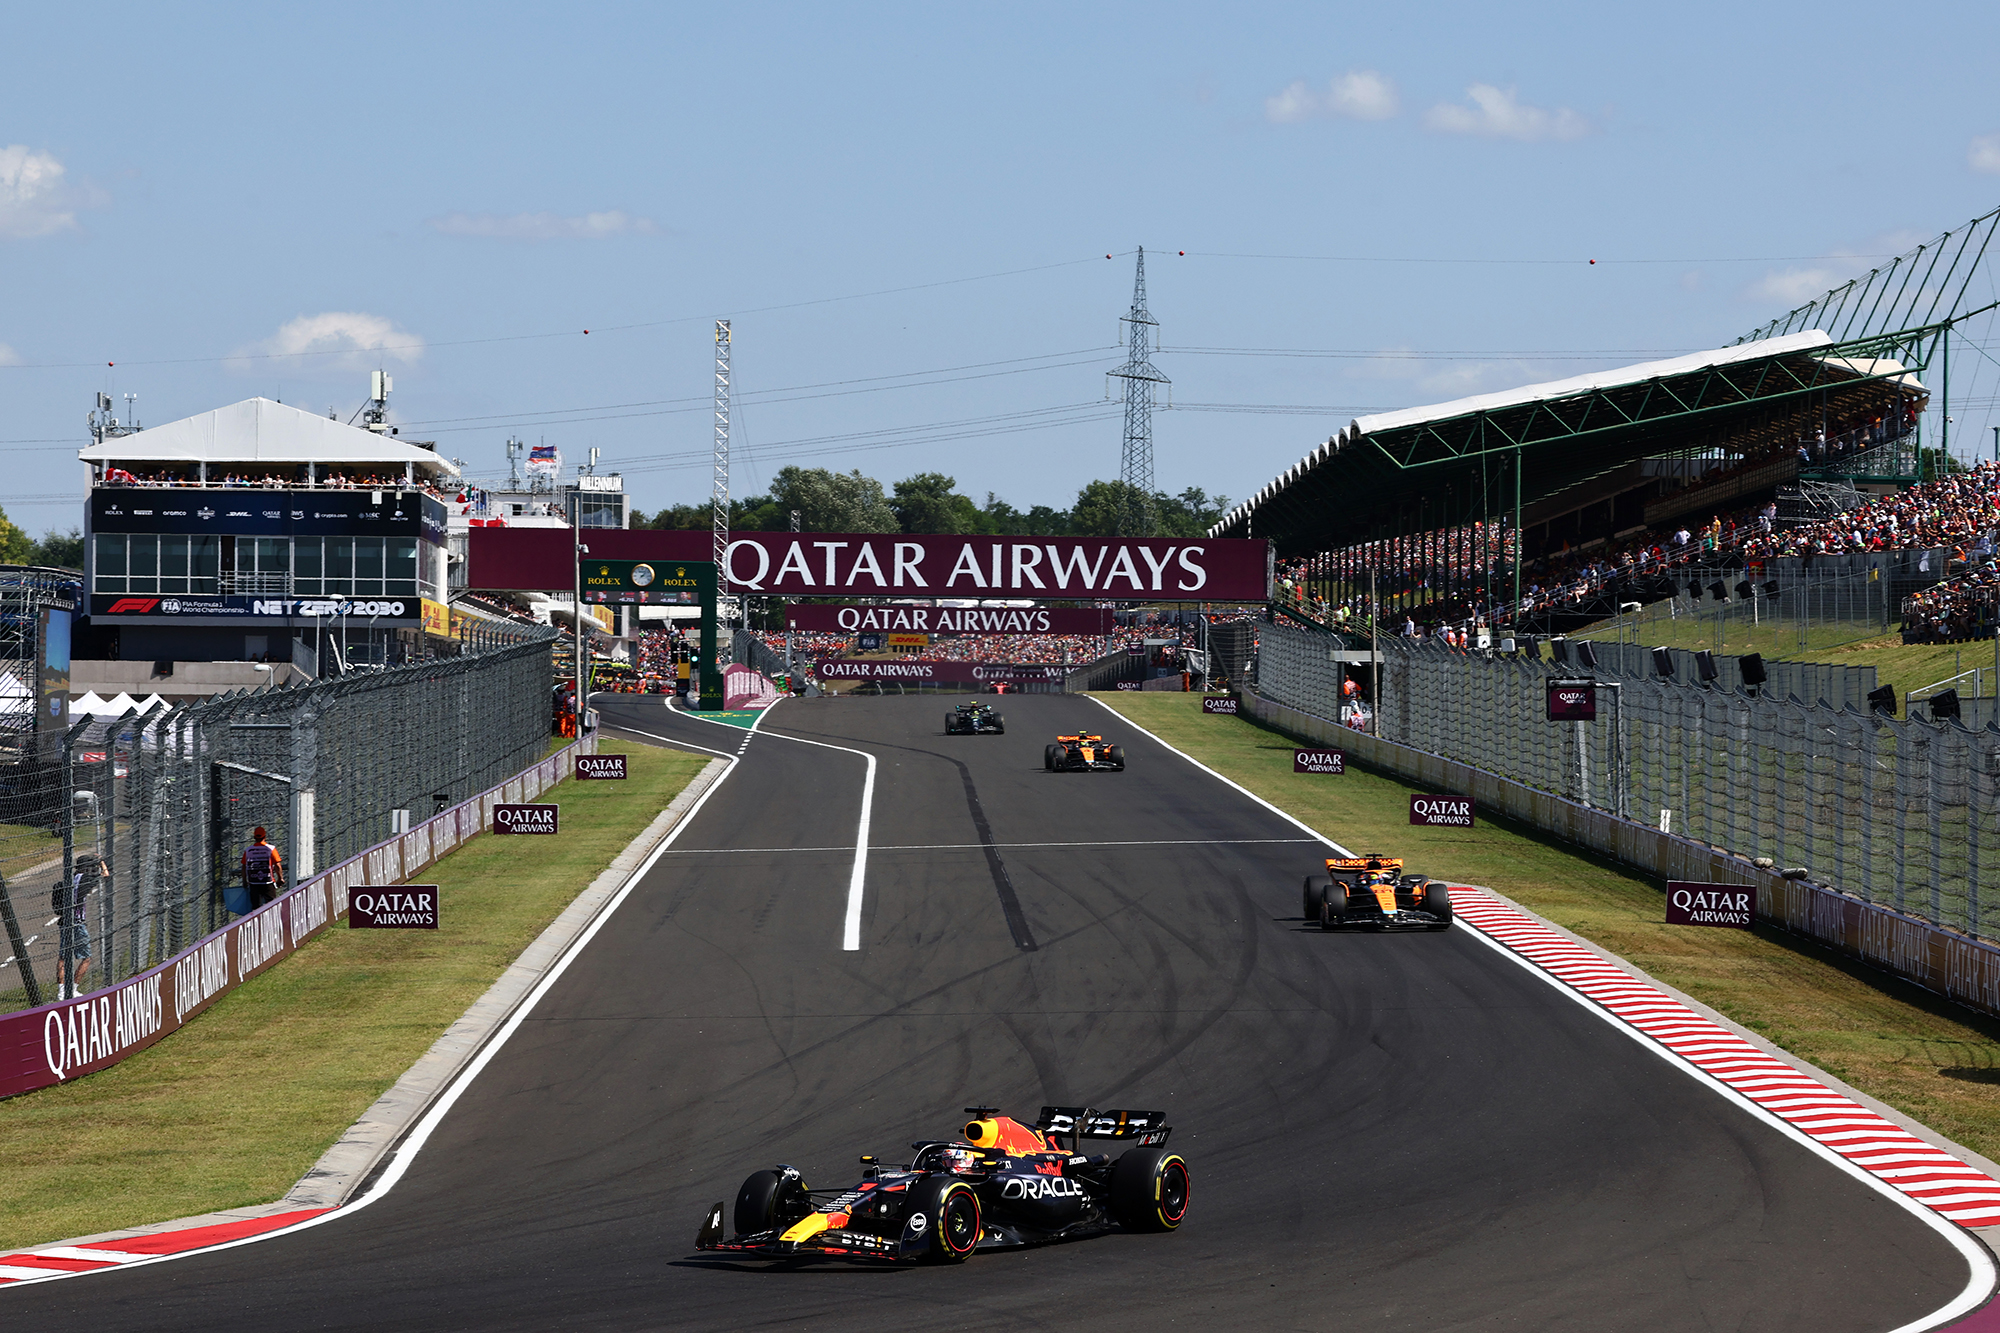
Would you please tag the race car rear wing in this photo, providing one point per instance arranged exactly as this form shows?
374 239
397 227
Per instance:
1083 1122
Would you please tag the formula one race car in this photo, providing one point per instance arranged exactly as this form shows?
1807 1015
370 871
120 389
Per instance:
1004 1184
1083 754
974 720
1373 890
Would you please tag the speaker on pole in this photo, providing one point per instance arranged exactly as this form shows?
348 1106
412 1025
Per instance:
1752 667
1744 592
1586 656
1883 700
1719 591
1704 665
1694 590
1944 704
1663 661
1559 650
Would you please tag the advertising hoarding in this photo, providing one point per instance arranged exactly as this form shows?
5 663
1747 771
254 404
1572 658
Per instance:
403 907
1572 700
942 673
251 512
1730 905
531 819
826 618
1219 704
1319 761
600 767
1442 811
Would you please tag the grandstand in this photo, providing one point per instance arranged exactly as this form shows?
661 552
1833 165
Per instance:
1547 506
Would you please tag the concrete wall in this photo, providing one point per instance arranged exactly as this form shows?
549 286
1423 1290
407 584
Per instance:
1954 965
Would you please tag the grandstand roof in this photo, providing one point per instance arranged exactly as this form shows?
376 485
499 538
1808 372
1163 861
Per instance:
258 430
1457 461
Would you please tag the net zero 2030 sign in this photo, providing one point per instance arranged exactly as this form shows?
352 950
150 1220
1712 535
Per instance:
525 818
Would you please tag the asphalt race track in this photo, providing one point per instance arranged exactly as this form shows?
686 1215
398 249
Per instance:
1385 1132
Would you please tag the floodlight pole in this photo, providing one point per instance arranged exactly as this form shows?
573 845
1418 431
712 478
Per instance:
1515 618
576 612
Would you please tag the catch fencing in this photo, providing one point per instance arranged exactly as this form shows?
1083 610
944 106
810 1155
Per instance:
1904 813
147 814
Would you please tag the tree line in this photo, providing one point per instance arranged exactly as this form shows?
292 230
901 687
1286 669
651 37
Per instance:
929 502
56 550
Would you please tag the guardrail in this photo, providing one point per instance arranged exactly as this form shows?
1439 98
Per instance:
55 1043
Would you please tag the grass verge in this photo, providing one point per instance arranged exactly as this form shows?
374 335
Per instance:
1929 1058
233 1109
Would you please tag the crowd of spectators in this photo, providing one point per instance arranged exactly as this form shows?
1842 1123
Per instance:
272 481
1958 514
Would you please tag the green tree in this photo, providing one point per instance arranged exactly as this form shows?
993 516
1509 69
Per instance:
1098 507
928 503
1187 515
833 501
60 550
16 546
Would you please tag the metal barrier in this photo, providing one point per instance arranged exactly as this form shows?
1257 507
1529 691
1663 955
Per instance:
141 819
1904 813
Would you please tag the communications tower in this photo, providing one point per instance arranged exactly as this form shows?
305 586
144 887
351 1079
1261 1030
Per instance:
1135 518
720 491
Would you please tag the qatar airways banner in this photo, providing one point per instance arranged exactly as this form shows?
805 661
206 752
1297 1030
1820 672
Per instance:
1128 568
943 673
950 619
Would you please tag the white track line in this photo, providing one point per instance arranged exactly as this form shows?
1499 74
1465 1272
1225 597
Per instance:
1982 1275
850 929
975 846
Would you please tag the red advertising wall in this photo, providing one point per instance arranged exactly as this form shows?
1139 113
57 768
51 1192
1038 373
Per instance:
947 673
821 564
950 619
63 1041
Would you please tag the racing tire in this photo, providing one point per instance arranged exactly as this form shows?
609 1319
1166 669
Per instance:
1050 754
1316 886
1115 757
769 1201
1149 1189
950 725
953 1224
1437 901
999 727
1333 905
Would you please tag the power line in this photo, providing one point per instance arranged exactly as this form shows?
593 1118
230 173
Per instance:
562 333
1584 261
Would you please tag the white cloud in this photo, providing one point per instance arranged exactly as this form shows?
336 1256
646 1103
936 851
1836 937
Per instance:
1983 154
8 356
1495 113
544 226
1362 94
34 198
1796 285
341 340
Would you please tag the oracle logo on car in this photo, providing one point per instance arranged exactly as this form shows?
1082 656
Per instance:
1447 811
1041 1187
1691 904
1219 705
1319 761
525 819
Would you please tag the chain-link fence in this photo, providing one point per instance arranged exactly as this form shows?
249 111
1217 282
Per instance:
1905 813
139 821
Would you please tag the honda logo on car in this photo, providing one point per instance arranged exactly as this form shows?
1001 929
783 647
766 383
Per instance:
525 819
406 907
1448 811
1691 904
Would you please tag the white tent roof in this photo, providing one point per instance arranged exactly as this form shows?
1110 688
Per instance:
258 430
1602 379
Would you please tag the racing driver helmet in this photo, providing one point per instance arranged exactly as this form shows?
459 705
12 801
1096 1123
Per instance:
957 1157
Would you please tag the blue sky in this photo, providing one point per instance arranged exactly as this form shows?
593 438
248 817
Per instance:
455 192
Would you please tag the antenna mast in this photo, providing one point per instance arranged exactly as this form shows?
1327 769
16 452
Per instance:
721 490
1135 518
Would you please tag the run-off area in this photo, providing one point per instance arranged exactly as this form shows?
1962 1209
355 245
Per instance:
1394 1131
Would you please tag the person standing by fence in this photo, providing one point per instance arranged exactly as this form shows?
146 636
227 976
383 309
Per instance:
73 931
263 869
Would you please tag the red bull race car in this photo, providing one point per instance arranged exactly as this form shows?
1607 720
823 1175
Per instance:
1375 890
1003 1184
1083 753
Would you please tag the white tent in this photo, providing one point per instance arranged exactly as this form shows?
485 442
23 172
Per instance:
258 430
